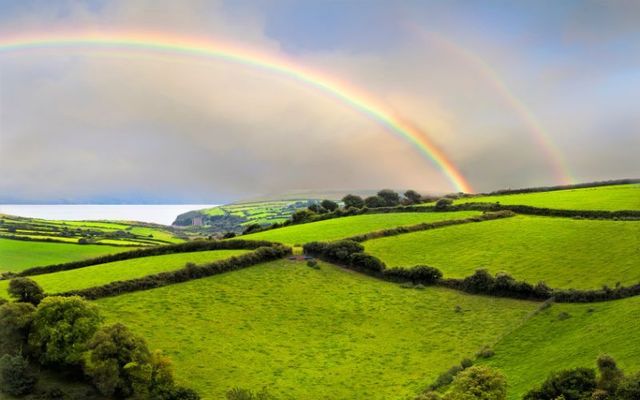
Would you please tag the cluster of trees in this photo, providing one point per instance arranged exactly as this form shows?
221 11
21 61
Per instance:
607 383
351 254
384 198
66 334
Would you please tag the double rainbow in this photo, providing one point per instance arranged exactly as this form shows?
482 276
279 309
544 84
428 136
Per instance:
182 46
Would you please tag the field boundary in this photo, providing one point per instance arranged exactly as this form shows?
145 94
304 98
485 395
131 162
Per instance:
188 273
624 215
187 247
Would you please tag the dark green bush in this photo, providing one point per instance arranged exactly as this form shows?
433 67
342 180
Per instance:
15 377
573 384
26 290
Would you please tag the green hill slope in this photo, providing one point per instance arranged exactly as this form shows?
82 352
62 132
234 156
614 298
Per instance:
312 334
612 198
564 253
339 228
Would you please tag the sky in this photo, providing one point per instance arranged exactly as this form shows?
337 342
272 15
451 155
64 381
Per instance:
515 94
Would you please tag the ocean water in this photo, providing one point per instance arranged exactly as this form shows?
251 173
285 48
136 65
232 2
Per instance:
159 214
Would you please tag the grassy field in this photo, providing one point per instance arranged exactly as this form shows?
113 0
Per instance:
339 228
617 197
312 334
121 270
562 252
549 342
17 255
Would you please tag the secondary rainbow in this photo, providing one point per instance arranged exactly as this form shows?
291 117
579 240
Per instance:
204 48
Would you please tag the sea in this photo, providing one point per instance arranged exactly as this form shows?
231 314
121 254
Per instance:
160 214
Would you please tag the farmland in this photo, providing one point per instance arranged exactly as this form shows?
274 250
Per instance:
562 252
612 198
340 228
121 270
307 333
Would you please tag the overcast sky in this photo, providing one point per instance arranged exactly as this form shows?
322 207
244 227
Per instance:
95 125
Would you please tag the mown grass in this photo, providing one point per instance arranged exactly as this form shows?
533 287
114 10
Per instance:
551 341
121 270
339 228
312 334
17 255
562 252
613 198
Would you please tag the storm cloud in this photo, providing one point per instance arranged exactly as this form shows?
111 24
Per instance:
86 125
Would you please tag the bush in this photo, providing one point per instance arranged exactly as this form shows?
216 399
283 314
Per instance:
390 198
352 201
366 262
313 264
485 352
413 197
629 388
26 290
61 328
573 384
15 321
329 205
375 202
15 377
443 204
478 382
175 393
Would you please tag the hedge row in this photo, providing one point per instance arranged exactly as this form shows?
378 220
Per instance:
188 273
549 212
431 225
187 247
53 240
350 254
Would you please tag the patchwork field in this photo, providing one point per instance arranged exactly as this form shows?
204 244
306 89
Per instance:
613 198
17 255
312 334
553 340
562 252
121 270
339 228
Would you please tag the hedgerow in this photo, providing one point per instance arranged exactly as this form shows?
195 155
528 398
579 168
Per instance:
187 247
189 272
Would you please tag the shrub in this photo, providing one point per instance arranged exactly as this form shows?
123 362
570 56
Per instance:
478 382
390 198
15 377
443 204
610 374
573 384
629 388
175 393
15 320
313 264
413 197
375 202
329 205
352 201
229 235
61 329
485 352
366 262
26 290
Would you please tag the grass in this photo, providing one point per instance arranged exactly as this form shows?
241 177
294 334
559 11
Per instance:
616 197
16 255
548 342
121 270
339 228
312 334
562 252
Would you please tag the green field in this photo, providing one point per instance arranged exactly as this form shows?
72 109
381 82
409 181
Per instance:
548 342
17 255
339 228
613 198
121 270
562 252
312 334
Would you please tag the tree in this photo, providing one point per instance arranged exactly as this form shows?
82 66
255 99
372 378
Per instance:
629 388
61 328
572 384
391 198
413 197
478 383
375 202
15 377
352 201
443 204
15 320
610 374
329 205
302 215
120 363
26 290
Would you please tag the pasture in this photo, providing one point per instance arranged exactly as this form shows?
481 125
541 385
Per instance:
564 253
339 228
309 333
18 255
611 198
102 274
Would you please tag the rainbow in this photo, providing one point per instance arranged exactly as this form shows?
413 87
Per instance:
543 139
231 53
